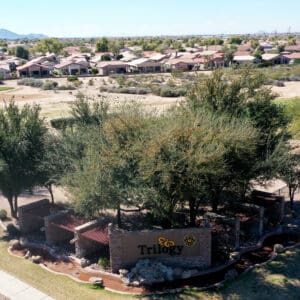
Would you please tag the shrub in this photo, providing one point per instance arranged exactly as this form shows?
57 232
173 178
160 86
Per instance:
277 83
31 82
94 71
12 230
3 214
49 85
167 91
72 78
62 123
65 87
91 82
104 263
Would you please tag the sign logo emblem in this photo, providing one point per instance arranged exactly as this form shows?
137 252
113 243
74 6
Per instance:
165 242
189 240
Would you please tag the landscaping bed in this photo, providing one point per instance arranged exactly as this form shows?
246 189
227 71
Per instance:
207 279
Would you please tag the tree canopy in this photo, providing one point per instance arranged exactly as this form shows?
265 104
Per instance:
22 133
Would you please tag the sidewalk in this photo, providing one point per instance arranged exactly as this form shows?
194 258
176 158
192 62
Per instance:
15 289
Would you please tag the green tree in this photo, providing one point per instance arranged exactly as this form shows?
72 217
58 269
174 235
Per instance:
106 175
22 133
21 52
51 45
192 159
246 98
54 164
102 45
237 40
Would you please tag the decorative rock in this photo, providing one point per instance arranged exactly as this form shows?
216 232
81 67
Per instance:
278 248
126 280
84 262
14 244
27 255
123 272
231 274
23 241
147 272
36 259
135 283
96 281
234 255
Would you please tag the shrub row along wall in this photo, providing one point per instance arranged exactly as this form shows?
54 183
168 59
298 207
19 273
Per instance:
189 248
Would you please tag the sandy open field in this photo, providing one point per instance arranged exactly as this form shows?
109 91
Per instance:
56 104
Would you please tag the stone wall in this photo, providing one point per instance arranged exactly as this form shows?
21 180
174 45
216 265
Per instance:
54 234
30 222
189 247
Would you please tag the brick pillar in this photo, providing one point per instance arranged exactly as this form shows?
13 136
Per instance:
237 227
115 249
261 221
282 206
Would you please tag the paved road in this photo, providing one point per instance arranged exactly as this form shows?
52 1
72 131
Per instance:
15 289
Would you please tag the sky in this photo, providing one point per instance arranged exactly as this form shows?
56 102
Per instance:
95 18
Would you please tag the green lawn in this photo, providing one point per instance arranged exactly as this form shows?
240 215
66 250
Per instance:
278 280
292 107
5 88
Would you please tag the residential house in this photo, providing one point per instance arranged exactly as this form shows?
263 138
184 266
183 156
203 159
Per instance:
293 48
73 67
244 59
128 56
274 59
4 71
180 64
99 56
145 65
292 57
33 69
112 67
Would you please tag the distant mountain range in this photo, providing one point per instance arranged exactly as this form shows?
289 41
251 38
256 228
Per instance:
9 35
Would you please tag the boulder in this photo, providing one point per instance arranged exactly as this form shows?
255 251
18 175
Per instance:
135 283
36 259
14 244
27 254
126 280
84 262
231 274
278 248
234 255
96 281
23 241
123 272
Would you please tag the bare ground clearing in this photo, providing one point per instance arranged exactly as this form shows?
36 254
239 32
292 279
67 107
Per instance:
55 104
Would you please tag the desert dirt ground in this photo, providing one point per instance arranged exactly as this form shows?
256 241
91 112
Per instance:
55 104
